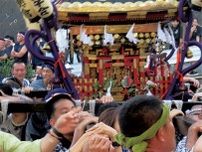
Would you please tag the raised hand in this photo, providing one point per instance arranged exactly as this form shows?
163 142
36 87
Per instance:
98 143
106 99
193 133
88 119
68 122
101 128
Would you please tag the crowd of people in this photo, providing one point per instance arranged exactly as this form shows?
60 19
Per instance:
142 123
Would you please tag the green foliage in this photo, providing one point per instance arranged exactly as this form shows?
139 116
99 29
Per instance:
5 68
6 65
30 72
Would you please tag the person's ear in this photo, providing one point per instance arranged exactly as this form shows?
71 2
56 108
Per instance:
52 121
161 134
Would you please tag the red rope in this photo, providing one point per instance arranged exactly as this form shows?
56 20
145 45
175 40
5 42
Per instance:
59 63
178 73
50 41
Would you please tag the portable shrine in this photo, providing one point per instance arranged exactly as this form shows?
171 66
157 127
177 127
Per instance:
130 29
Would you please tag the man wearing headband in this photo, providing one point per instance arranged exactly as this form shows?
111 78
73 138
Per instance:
146 126
20 53
47 76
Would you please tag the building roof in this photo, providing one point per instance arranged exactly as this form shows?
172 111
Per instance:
124 6
116 11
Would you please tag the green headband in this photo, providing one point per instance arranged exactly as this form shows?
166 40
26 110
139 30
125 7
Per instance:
138 143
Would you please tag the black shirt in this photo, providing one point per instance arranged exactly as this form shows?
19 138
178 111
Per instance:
177 33
24 58
8 50
195 34
3 52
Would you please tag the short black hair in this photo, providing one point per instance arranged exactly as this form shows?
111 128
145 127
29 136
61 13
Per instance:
9 37
105 106
18 62
64 26
138 114
21 32
175 18
49 66
50 106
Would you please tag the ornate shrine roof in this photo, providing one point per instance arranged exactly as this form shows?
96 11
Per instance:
88 11
88 6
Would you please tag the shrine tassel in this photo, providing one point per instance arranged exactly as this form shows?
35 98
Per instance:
179 74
